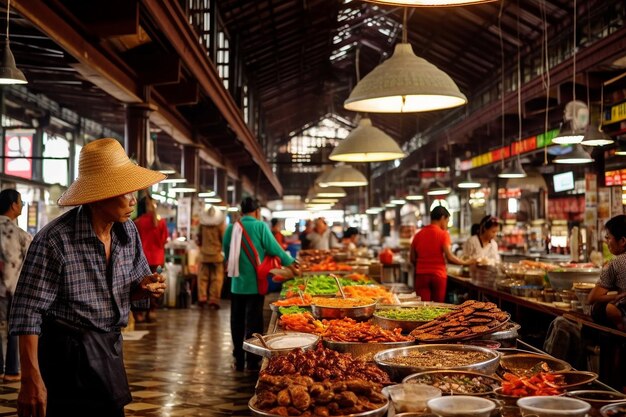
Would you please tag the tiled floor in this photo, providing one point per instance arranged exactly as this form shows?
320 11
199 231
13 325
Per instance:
180 368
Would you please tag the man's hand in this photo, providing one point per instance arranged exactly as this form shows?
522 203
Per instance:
33 396
619 298
153 285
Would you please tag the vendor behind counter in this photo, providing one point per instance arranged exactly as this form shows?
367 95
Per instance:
482 246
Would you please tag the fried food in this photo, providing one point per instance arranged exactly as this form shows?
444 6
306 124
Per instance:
470 319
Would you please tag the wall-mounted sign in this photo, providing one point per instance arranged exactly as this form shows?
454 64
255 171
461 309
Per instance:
18 148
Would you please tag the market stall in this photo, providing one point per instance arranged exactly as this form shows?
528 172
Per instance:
346 345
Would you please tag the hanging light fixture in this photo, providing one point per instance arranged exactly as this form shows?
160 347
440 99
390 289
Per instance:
513 170
328 192
430 3
468 183
573 130
345 176
568 135
415 195
397 201
577 156
595 136
9 73
367 143
405 83
621 148
437 188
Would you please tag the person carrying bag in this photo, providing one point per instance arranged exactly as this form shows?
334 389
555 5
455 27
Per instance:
248 274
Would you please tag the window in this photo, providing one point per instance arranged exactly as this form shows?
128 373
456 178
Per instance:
56 171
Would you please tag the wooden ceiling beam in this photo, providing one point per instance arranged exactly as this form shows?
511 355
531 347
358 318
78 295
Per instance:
109 18
185 93
172 22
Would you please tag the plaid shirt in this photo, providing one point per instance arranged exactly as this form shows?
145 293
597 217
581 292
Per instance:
65 275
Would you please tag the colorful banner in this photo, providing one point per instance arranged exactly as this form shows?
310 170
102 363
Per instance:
518 147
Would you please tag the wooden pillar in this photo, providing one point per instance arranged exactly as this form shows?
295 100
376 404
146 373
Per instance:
191 166
137 131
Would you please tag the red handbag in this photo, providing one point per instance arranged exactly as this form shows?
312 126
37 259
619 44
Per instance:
262 268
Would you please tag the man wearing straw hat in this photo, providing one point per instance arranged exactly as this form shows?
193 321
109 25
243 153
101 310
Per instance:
74 293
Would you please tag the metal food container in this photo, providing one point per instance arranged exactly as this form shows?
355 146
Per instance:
509 331
406 325
363 350
564 279
524 362
281 343
379 412
398 371
490 381
613 410
363 312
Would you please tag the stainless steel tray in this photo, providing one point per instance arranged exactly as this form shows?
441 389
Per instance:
281 343
363 350
379 412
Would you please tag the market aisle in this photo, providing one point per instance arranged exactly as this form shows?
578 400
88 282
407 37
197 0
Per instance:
180 368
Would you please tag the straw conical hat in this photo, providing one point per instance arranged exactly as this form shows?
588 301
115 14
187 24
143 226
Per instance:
104 171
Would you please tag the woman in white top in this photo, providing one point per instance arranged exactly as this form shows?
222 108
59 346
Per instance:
482 246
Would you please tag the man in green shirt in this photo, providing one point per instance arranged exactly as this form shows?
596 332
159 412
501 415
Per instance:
246 314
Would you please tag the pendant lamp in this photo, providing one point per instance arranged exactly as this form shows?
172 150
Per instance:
405 83
621 149
345 176
594 136
513 170
9 73
577 156
415 197
437 188
329 192
468 183
430 3
568 135
367 143
321 179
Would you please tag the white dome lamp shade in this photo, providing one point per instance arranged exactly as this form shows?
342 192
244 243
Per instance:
367 143
577 156
430 3
329 192
405 83
345 176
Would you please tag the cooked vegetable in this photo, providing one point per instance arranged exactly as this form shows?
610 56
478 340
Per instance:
457 383
425 313
292 310
542 383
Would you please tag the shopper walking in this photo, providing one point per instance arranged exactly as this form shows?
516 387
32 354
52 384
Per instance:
277 232
79 277
429 250
13 246
153 233
211 278
246 316
305 243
